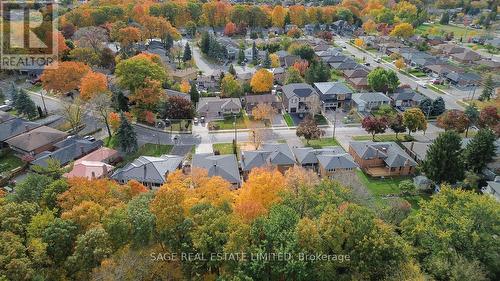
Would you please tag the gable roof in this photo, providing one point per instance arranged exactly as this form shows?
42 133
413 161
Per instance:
465 77
216 104
327 90
148 169
36 138
302 90
336 161
266 98
357 72
89 169
103 154
309 155
370 97
392 154
171 93
225 166
68 152
406 94
14 127
281 154
5 116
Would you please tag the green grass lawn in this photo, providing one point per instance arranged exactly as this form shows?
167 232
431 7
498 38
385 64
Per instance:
180 125
319 143
458 31
288 120
224 148
417 73
227 123
8 161
386 137
435 89
148 149
380 187
320 119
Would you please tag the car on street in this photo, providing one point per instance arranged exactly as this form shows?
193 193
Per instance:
195 120
89 138
202 119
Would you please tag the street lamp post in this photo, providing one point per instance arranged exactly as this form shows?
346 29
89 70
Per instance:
235 134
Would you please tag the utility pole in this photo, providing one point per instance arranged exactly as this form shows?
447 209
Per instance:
334 122
235 135
43 102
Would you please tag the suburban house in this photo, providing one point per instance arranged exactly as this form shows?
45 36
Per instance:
465 79
286 59
36 141
216 107
96 164
249 54
381 159
251 101
493 188
279 75
296 97
331 165
343 65
405 97
14 127
489 64
357 77
277 155
244 77
187 74
334 95
466 57
447 49
171 93
207 83
66 151
441 70
224 166
416 149
150 171
307 157
366 102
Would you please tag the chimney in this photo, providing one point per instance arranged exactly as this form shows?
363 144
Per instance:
82 151
145 171
105 169
26 128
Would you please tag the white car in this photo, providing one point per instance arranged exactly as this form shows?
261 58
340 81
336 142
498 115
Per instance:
195 120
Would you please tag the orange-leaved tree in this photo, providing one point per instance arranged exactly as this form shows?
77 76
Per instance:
262 81
259 192
93 83
62 77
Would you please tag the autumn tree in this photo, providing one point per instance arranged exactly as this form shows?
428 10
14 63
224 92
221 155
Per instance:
396 124
133 73
374 125
414 120
489 118
262 81
230 87
176 108
359 42
85 55
309 129
278 16
92 84
230 29
275 60
185 87
263 111
400 63
453 120
259 192
402 30
293 76
148 95
63 77
91 37
301 66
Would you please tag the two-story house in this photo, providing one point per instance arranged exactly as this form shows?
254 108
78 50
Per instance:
334 95
296 97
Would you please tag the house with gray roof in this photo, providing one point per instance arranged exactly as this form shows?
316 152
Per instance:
216 107
405 98
492 188
333 165
277 155
466 56
334 95
172 93
296 96
66 151
251 101
14 127
307 157
463 79
5 116
382 159
148 170
36 141
366 102
224 166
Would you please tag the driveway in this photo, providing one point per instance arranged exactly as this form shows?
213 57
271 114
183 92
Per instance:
278 121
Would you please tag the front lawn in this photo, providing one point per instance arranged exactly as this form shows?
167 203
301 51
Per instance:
8 161
417 73
288 120
224 148
386 137
320 119
148 149
227 123
319 143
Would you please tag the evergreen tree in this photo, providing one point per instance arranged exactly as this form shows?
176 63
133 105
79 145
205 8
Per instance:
126 136
488 88
187 53
426 106
438 107
194 94
288 19
445 18
205 42
443 160
267 61
24 105
241 55
13 92
169 42
480 150
473 115
2 96
119 101
255 54
231 70
317 72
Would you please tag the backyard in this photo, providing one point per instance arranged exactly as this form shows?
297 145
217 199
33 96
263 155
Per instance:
8 161
148 149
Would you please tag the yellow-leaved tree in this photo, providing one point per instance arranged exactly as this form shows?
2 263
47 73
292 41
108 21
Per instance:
262 81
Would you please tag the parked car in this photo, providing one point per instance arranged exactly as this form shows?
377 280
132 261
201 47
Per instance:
5 107
367 63
89 138
195 120
202 119
378 60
